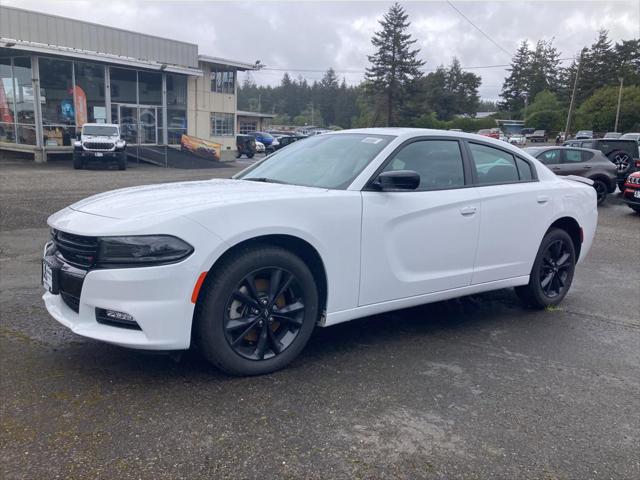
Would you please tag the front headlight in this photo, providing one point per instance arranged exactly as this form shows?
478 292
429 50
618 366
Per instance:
141 251
120 143
77 144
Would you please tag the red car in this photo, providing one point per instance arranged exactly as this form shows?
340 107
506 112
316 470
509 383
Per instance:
631 193
490 132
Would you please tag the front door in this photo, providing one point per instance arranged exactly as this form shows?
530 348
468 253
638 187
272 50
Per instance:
422 241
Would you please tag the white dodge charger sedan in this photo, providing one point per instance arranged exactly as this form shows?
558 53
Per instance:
332 228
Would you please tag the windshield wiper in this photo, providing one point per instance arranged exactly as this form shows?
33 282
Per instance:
263 179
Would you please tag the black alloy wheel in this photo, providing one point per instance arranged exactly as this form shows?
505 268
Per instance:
256 310
601 190
554 269
264 314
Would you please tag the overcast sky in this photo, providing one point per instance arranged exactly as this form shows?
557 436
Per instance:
317 35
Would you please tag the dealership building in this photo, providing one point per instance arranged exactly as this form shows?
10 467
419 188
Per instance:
57 74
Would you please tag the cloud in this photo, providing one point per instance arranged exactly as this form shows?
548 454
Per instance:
317 35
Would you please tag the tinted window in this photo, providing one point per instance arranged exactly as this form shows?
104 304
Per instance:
550 157
493 165
573 156
524 169
438 162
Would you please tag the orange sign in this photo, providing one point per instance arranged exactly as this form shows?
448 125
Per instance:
5 111
200 147
80 100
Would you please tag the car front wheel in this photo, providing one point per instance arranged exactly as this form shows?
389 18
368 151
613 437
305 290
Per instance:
552 271
256 311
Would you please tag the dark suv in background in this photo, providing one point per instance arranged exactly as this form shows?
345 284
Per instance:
625 154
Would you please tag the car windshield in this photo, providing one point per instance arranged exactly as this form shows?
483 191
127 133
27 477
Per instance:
325 161
101 130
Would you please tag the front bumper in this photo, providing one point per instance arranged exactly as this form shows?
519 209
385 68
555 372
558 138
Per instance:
627 195
111 155
158 298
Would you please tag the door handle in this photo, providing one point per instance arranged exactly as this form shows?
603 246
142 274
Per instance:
468 211
542 199
587 167
555 168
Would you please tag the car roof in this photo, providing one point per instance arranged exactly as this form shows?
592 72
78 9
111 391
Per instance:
564 147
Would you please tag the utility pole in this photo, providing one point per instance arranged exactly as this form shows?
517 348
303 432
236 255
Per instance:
573 96
615 129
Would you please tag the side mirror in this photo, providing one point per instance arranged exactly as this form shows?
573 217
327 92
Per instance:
397 180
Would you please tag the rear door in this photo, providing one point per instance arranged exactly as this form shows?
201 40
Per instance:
574 162
515 210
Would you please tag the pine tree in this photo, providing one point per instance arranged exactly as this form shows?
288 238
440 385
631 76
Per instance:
327 98
543 69
598 67
516 86
395 64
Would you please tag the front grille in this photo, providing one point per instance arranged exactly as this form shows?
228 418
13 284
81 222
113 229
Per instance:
98 145
72 302
77 250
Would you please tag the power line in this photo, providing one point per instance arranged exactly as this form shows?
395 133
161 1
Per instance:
318 70
480 30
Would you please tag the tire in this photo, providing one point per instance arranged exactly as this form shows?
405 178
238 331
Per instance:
622 160
249 155
635 208
78 163
621 186
122 161
237 294
601 190
552 267
238 155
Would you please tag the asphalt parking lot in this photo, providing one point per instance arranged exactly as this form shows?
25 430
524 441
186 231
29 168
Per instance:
473 388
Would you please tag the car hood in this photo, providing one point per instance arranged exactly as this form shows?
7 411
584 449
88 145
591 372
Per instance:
185 197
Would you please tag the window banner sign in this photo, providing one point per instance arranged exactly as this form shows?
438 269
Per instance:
200 147
80 100
5 111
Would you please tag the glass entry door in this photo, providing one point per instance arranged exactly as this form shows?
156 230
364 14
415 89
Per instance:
148 125
128 120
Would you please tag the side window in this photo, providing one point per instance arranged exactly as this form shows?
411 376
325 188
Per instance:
438 162
550 157
524 169
573 156
586 156
493 165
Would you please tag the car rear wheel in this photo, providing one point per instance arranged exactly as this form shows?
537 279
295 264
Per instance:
122 161
257 311
552 271
601 190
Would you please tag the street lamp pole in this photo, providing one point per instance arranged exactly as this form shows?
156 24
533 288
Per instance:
573 96
615 129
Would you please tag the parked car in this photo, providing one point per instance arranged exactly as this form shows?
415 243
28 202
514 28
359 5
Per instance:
584 135
624 153
527 132
517 139
539 136
490 132
336 227
591 164
612 135
264 137
631 136
631 193
102 142
246 145
288 140
503 137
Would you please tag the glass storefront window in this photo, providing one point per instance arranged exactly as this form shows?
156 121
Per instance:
6 91
56 92
149 88
176 90
58 135
24 91
7 132
90 96
222 124
223 81
123 85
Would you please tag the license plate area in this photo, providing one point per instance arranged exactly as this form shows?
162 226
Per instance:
98 154
50 275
